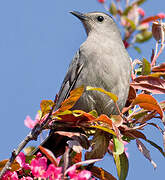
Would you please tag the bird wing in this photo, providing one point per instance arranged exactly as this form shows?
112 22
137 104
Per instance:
70 79
68 84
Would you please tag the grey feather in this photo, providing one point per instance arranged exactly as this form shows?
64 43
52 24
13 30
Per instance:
102 61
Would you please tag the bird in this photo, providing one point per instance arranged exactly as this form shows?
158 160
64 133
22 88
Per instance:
101 61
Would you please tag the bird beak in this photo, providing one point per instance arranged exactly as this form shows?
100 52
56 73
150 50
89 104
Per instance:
79 15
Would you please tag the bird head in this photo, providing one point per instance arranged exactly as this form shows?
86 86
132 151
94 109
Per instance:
97 22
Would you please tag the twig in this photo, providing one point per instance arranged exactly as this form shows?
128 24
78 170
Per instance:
156 57
66 158
33 135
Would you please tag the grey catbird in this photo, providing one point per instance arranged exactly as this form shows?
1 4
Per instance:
102 61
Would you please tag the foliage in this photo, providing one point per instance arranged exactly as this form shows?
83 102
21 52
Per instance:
103 134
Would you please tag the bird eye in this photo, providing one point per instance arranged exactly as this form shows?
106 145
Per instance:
100 18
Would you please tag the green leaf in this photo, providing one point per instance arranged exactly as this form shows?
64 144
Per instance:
111 95
137 49
122 165
113 9
146 67
139 114
139 2
105 129
139 71
143 36
127 10
64 113
132 24
94 113
118 146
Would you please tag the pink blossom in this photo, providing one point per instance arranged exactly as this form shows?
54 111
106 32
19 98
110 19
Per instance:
31 123
133 15
161 15
38 167
39 155
21 160
141 11
53 172
101 1
125 148
72 171
27 178
10 175
82 175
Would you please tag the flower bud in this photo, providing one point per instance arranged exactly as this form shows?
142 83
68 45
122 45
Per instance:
158 30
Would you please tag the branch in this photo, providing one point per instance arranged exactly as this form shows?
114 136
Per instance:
33 135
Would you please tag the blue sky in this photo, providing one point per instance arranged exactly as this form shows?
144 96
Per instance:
37 41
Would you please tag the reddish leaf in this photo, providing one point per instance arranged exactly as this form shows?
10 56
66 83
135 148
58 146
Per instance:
134 134
14 167
149 19
160 68
152 84
77 158
76 136
104 119
164 140
89 116
143 116
73 118
131 96
117 120
132 93
156 125
46 106
72 99
137 134
49 155
147 102
100 143
101 173
68 134
104 123
145 152
156 146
